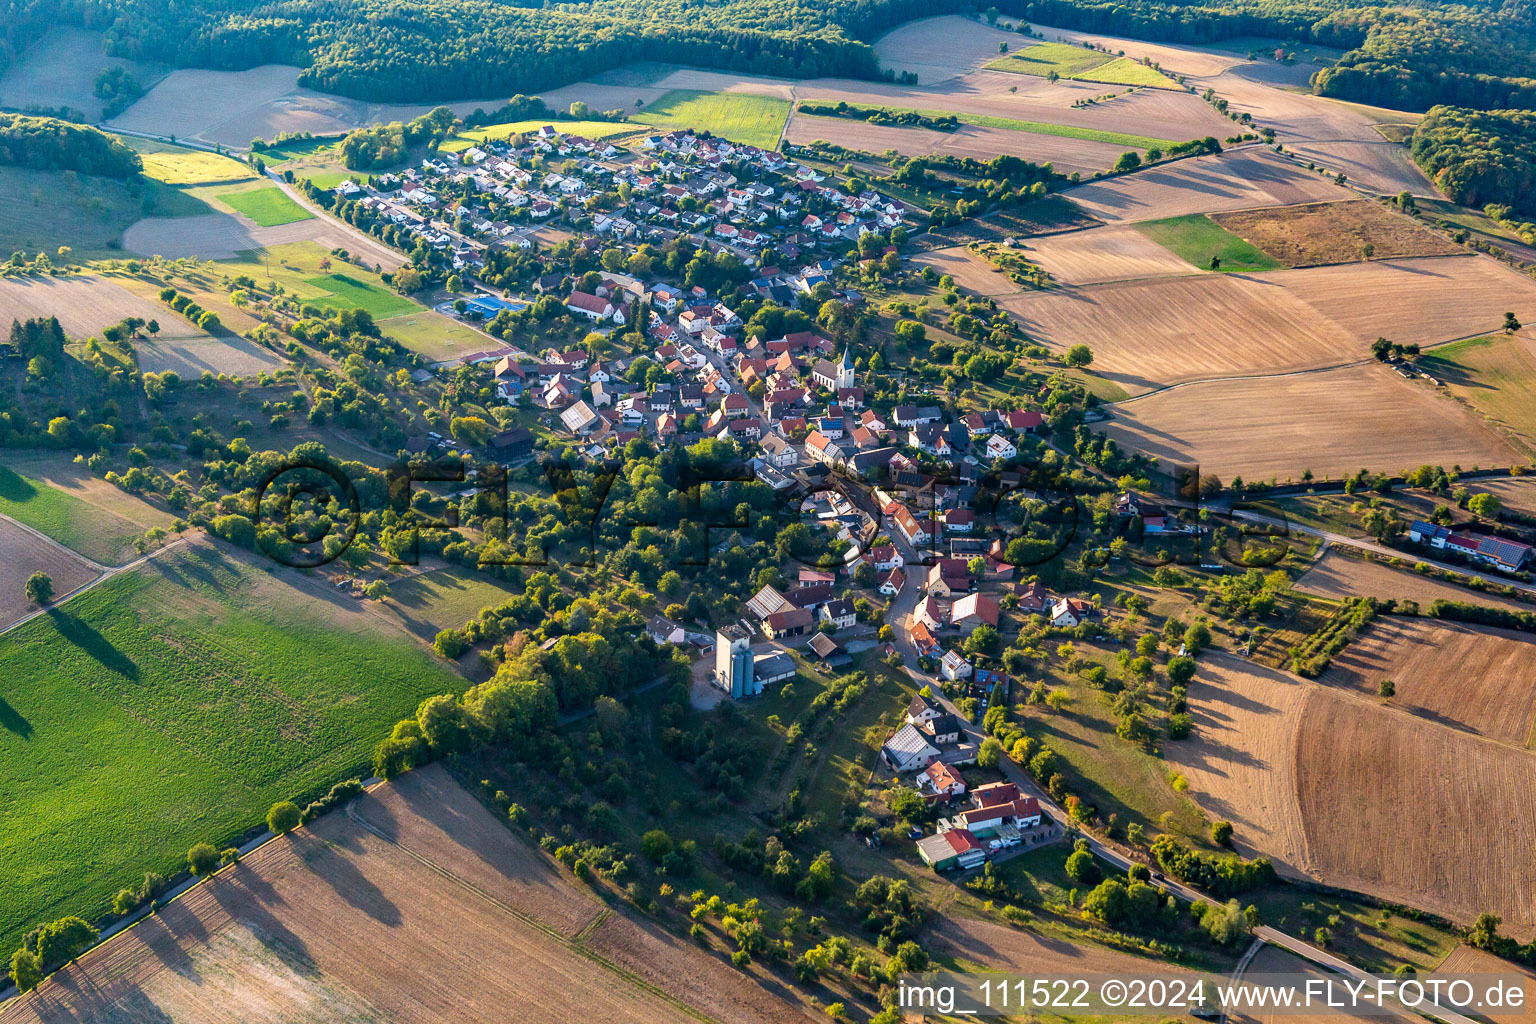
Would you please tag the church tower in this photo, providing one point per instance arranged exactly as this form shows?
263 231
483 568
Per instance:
845 372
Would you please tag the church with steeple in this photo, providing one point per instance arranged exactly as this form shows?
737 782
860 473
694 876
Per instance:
832 377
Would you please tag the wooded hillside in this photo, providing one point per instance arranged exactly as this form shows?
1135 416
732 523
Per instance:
46 143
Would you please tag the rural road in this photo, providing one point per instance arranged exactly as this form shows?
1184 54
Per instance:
1370 545
898 615
104 572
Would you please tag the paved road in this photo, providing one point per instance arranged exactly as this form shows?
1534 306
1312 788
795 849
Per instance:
1366 544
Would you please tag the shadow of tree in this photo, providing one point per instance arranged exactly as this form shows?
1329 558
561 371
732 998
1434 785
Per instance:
11 720
85 637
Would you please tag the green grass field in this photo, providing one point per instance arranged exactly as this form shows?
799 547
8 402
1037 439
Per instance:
173 705
347 291
177 165
1495 375
444 598
1196 238
268 207
1041 59
752 120
434 335
75 523
1037 127
1064 130
587 129
1080 64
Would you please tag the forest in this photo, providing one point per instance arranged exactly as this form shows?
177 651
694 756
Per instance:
1410 55
45 143
1480 157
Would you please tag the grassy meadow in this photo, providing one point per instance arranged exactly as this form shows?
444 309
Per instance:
174 704
100 534
268 206
1080 64
1196 238
751 120
1496 375
44 210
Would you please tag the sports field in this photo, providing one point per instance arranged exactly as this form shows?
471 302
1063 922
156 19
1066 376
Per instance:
268 207
347 291
174 704
740 117
1199 240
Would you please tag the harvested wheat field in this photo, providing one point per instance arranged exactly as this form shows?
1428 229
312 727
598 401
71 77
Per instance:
727 994
1338 576
86 304
1417 812
1332 422
1419 301
1067 155
1466 960
1149 333
1234 180
1316 233
1476 679
21 554
1102 255
351 927
994 946
1240 757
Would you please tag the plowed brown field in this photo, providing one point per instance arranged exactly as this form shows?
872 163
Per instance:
1332 422
1476 679
1466 960
335 923
1336 575
1236 180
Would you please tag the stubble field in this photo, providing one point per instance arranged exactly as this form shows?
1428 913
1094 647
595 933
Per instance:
1474 679
1394 804
85 304
1274 426
378 913
1337 576
1235 180
1102 255
1340 788
1165 330
23 553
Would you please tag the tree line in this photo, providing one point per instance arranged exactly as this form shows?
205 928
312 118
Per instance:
1478 157
48 144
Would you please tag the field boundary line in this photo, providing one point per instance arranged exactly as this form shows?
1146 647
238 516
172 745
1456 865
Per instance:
572 944
105 573
1364 361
